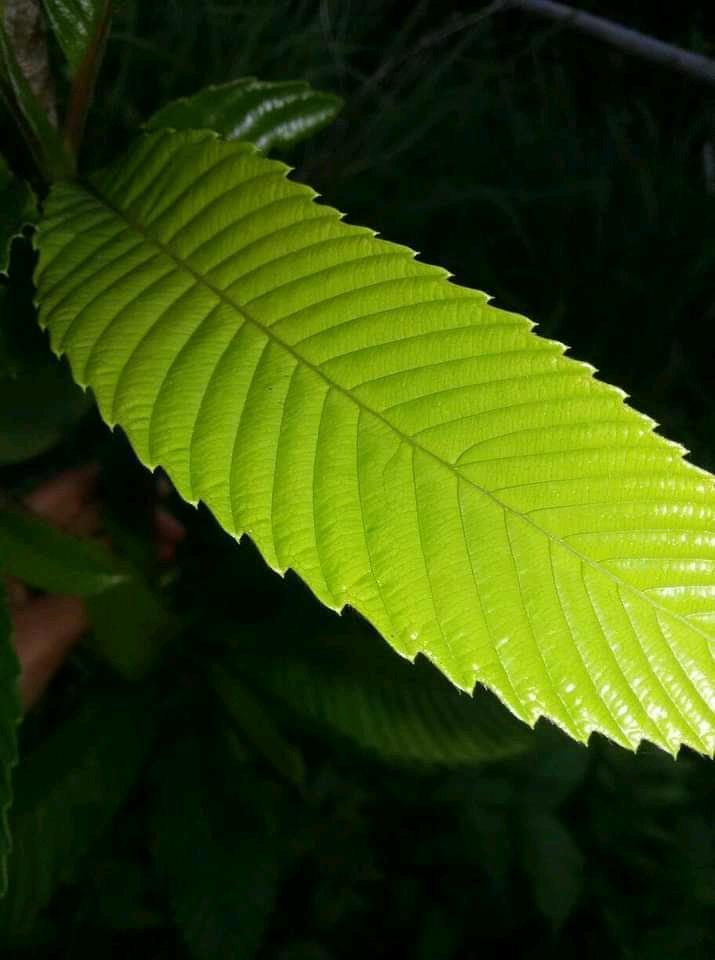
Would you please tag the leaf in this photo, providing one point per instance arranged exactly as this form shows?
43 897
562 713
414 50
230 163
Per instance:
271 115
217 849
34 118
25 28
39 554
74 24
403 445
67 793
554 865
256 726
10 713
131 624
39 401
17 208
345 680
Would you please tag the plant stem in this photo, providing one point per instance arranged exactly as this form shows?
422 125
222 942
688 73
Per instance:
648 48
83 83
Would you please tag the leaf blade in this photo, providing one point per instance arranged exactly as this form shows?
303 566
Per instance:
340 678
271 115
48 559
74 24
87 765
273 312
218 850
17 209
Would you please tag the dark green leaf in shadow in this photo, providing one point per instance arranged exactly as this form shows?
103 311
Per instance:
9 719
74 24
217 848
67 792
39 554
271 115
344 680
554 865
131 624
255 724
39 401
17 208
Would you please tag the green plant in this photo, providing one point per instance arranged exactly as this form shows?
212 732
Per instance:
408 449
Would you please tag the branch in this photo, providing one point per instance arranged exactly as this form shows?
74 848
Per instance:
648 48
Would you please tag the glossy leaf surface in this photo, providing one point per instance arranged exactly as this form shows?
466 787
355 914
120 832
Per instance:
74 24
406 447
271 115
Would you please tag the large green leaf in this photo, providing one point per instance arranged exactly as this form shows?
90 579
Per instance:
346 681
9 718
406 447
68 792
268 114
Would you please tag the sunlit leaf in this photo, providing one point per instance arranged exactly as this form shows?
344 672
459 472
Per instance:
406 447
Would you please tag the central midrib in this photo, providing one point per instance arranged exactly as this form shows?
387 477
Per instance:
406 438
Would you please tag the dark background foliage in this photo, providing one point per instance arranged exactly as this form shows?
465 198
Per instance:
568 180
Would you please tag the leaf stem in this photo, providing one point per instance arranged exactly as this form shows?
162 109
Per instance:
83 84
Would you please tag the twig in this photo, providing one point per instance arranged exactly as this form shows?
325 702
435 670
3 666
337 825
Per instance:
457 24
693 64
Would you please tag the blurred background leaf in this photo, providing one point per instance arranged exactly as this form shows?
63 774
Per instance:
219 848
338 676
67 792
17 208
9 718
39 400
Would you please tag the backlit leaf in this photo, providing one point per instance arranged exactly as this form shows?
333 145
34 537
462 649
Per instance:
406 447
